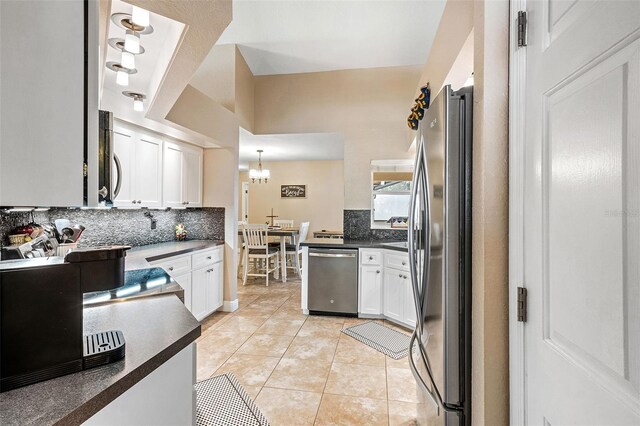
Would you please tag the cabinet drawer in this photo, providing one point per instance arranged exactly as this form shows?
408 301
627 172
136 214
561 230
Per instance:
397 261
174 265
370 257
207 257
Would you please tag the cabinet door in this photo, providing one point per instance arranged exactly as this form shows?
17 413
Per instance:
148 171
173 185
370 290
124 149
184 281
199 283
409 305
42 105
214 288
394 294
192 173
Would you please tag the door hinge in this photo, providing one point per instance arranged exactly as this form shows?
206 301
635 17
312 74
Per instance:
522 304
522 28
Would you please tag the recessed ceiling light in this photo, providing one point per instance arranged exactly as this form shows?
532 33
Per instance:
125 22
118 44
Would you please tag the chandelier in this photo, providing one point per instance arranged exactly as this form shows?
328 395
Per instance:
260 173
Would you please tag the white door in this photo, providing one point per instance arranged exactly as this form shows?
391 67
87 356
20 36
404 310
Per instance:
124 149
370 290
192 177
393 294
409 311
148 171
214 287
172 176
199 282
581 247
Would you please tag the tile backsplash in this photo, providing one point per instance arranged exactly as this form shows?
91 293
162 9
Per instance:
120 226
357 226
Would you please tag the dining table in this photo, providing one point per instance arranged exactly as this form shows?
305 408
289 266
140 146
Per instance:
283 233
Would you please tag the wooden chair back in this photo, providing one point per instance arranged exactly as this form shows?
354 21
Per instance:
285 223
255 236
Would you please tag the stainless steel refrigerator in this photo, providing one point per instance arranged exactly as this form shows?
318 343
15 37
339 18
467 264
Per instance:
440 253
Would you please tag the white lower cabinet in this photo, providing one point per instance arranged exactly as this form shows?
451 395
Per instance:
201 276
385 289
393 294
370 302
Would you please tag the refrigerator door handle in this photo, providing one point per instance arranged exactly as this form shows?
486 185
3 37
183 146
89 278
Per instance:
418 377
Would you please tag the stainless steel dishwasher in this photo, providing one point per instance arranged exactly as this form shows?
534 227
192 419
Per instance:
333 281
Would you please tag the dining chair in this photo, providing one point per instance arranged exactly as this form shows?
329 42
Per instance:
241 223
294 249
285 223
257 249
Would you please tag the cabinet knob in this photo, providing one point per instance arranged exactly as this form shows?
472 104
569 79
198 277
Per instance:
378 271
370 257
187 202
404 263
404 276
400 276
209 257
171 268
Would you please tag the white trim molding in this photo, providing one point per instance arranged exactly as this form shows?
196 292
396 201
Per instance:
230 306
517 87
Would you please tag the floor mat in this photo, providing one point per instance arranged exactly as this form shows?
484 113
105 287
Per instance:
390 342
221 400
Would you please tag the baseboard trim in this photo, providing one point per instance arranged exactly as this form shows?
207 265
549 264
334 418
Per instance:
230 306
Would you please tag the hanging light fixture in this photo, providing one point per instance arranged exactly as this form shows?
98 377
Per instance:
122 73
128 60
132 42
259 173
139 16
138 100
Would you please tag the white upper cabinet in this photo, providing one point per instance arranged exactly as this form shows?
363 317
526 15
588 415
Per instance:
124 149
154 173
172 189
182 175
192 169
148 171
42 101
138 177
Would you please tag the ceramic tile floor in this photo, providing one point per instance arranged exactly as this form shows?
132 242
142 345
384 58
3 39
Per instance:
301 370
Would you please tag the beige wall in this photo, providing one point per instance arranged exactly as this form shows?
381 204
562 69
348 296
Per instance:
244 86
220 81
490 317
369 107
325 188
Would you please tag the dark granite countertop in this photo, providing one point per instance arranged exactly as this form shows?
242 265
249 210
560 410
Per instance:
155 329
138 283
338 243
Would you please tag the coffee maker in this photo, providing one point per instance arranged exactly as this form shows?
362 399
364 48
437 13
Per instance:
41 315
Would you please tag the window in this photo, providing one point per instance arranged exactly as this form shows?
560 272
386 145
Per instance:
390 195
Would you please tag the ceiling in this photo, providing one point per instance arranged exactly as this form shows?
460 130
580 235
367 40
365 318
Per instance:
286 37
290 147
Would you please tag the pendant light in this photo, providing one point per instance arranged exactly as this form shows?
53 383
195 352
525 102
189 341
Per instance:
259 173
122 73
138 100
132 42
139 16
128 60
